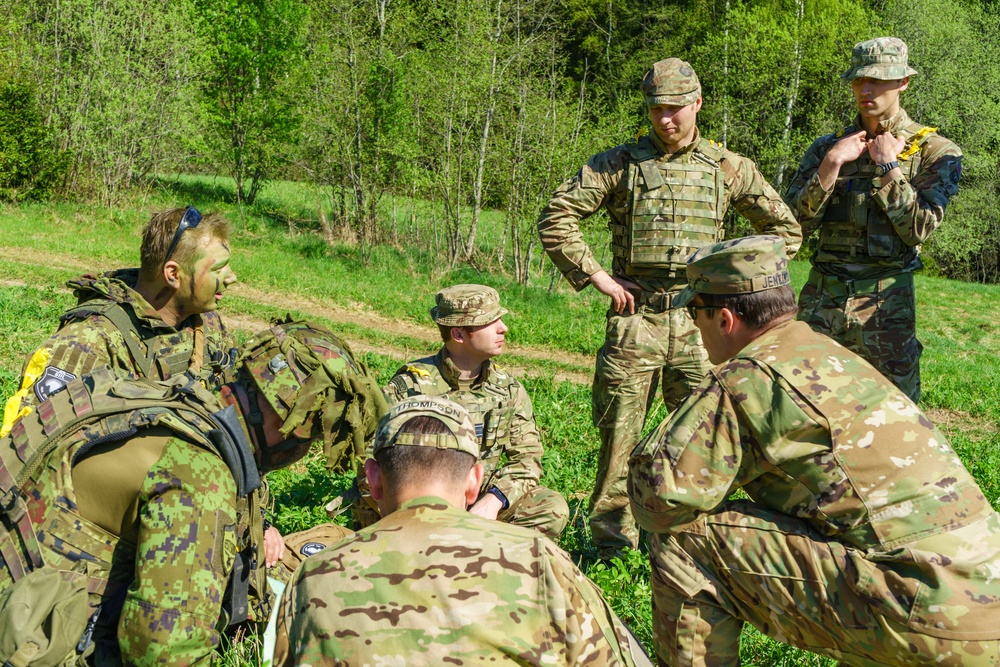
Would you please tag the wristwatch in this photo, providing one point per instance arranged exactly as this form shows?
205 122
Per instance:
883 169
494 491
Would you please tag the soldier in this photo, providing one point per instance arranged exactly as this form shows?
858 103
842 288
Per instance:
153 322
864 539
463 370
666 195
132 489
433 584
875 190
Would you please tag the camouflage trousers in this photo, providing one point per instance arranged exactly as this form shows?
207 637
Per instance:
874 318
540 508
748 564
652 347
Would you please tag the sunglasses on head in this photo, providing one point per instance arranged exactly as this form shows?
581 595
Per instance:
190 220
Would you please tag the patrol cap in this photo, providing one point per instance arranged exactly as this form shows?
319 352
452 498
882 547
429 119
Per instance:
461 434
880 58
737 266
671 82
467 306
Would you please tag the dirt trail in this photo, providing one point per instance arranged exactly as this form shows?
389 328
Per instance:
359 315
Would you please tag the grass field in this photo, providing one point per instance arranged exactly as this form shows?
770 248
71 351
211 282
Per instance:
381 307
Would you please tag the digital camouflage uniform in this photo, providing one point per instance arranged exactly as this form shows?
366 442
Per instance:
147 491
502 412
860 289
431 584
864 538
114 325
661 207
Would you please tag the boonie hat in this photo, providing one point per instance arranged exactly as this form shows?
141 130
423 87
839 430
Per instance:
461 434
467 306
882 58
671 82
738 266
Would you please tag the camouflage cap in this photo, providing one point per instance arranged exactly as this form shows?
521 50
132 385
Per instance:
880 58
737 266
671 82
467 306
461 434
316 385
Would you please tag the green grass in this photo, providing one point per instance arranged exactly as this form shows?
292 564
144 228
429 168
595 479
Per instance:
279 255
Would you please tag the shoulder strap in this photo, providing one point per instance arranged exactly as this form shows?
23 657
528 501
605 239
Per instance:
710 151
916 142
117 316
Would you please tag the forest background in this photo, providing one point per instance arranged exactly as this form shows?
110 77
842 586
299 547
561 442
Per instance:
412 117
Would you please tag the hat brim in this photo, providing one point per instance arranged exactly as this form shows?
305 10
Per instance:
880 72
458 320
674 100
684 297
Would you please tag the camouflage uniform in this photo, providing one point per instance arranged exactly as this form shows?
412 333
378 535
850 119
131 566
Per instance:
860 289
431 584
114 325
864 539
504 419
169 548
654 229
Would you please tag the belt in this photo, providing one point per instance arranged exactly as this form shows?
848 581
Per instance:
845 287
658 301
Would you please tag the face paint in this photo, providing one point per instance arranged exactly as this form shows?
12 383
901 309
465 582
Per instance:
209 275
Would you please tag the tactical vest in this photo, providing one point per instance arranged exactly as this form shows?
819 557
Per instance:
92 411
855 230
675 208
490 406
156 357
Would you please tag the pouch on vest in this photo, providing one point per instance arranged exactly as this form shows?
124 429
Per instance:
42 619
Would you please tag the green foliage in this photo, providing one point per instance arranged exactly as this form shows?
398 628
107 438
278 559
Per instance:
30 166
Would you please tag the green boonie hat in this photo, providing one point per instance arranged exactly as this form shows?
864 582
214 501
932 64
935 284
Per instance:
461 434
467 306
671 82
317 387
881 58
738 266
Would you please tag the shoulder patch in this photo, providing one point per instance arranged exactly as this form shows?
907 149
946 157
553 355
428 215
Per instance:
310 548
52 381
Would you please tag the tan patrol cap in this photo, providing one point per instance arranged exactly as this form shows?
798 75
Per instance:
738 266
461 434
467 306
671 82
882 58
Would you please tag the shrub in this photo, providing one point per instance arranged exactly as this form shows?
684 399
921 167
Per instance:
30 165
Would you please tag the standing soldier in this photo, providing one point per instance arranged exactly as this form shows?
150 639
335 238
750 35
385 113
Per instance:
154 322
666 195
875 190
463 370
122 540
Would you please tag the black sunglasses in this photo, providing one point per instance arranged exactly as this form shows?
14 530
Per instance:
190 220
693 310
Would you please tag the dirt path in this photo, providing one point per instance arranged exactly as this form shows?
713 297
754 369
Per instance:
359 315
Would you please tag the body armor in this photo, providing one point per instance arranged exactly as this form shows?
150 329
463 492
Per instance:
855 230
675 208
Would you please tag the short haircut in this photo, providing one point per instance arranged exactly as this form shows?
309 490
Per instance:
404 465
756 309
445 330
159 233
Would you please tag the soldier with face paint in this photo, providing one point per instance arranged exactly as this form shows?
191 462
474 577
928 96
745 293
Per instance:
156 322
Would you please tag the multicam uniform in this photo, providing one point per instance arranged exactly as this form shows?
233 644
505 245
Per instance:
158 546
114 325
661 208
860 289
511 451
434 585
865 539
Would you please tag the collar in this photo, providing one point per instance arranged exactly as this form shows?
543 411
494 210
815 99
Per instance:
430 502
892 125
450 372
695 140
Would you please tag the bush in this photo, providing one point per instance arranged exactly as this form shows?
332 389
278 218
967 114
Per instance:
30 165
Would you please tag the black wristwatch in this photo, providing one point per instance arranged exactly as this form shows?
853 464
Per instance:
494 491
883 169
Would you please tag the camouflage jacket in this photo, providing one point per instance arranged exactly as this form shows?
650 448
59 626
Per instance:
143 504
603 182
114 325
903 213
808 428
434 585
511 451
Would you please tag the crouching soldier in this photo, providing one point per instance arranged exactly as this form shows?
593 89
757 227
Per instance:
138 499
